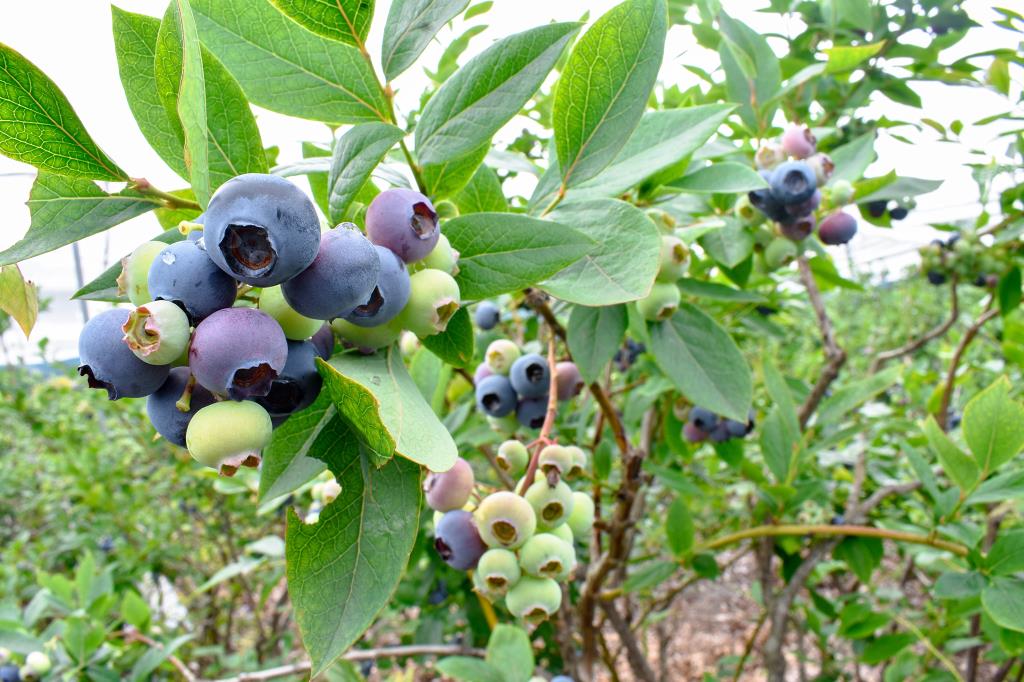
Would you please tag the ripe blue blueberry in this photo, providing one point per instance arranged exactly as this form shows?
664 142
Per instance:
837 228
457 540
261 229
389 296
487 315
404 221
693 433
703 419
297 385
799 229
792 182
9 673
765 202
530 376
530 412
898 213
183 273
323 340
163 406
238 352
495 396
341 277
805 207
108 363
735 428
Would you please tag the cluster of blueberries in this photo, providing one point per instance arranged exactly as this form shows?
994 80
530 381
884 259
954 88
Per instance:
221 373
964 256
35 665
703 424
519 543
514 387
879 207
795 172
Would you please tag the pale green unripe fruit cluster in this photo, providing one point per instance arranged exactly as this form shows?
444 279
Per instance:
433 300
512 457
228 435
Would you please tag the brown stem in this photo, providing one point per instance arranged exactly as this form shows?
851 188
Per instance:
636 658
134 636
165 199
749 646
506 480
549 419
918 343
958 354
839 530
835 357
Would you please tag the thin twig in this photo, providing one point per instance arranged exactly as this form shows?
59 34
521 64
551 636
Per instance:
636 658
918 343
835 357
549 419
954 363
839 530
135 636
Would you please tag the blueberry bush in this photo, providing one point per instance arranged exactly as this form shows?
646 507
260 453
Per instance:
493 406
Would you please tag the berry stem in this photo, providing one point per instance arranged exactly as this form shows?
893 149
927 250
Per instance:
166 199
186 227
184 403
549 417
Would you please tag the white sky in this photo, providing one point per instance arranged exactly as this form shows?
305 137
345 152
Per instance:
70 40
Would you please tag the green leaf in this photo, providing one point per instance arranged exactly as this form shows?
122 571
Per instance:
356 552
960 468
104 287
65 210
650 576
1007 553
410 26
135 611
993 426
661 140
1009 291
509 651
753 76
703 361
884 648
285 68
378 398
848 57
730 244
135 37
503 252
455 345
998 75
1007 486
39 127
155 657
604 86
449 177
171 218
850 396
602 276
347 21
900 188
853 158
679 528
862 555
725 177
717 292
959 585
291 459
356 154
181 83
594 334
483 194
488 91
1003 601
778 444
18 298
467 669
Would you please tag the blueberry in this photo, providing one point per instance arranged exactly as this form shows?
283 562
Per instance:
823 168
483 371
105 544
37 664
433 301
108 363
792 182
876 209
341 277
693 433
487 315
437 595
837 228
238 352
228 435
779 252
530 376
937 278
183 273
530 412
720 433
500 355
261 229
569 380
162 407
799 229
898 213
769 156
581 518
547 556
499 570
512 457
457 540
765 202
745 211
534 599
9 673
661 304
564 532
298 383
842 192
798 142
562 678
551 503
134 277
323 340
555 458
804 207
367 339
675 256
495 396
505 520
442 257
389 296
579 461
296 327
735 429
449 490
404 221
703 419
157 332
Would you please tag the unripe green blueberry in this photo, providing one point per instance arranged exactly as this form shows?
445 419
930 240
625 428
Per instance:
512 457
769 156
450 489
157 332
367 338
552 504
295 326
499 570
228 435
134 278
433 299
579 460
481 587
37 663
745 211
661 303
563 532
409 344
779 252
443 257
581 518
547 556
555 458
500 355
505 520
675 256
534 599
842 192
